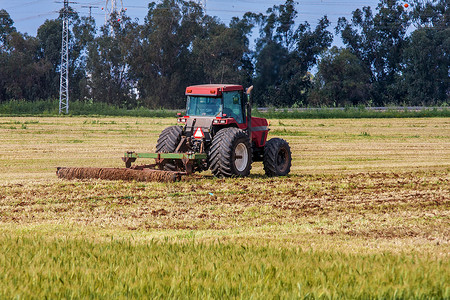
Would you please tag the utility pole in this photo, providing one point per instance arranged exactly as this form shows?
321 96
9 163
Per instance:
90 9
64 78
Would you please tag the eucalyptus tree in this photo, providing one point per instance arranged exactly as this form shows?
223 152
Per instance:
221 53
342 80
108 63
427 57
379 42
285 53
23 70
161 64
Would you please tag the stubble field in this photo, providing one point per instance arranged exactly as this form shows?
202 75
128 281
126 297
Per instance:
365 213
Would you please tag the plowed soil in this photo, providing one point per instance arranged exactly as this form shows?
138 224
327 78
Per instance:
355 184
412 207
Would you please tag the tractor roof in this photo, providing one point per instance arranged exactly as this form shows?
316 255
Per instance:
212 89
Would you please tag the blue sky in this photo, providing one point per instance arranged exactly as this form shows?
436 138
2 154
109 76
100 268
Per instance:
28 15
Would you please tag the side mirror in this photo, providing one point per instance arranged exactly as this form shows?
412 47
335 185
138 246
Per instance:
249 92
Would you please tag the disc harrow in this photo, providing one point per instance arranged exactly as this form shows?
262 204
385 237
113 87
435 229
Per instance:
144 174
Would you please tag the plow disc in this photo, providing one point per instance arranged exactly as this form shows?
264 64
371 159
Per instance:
118 174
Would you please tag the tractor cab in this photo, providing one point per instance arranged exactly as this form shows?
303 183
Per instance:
212 107
218 101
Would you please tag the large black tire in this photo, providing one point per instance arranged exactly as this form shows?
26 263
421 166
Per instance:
230 154
167 143
277 157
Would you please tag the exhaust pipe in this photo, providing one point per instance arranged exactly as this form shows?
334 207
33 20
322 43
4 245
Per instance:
249 111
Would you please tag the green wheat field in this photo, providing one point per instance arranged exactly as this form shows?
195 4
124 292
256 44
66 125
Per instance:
364 214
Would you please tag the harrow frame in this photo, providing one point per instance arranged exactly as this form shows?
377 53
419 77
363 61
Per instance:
188 159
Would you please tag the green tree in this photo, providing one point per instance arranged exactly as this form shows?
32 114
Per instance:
430 13
221 53
6 27
180 46
108 63
284 55
82 35
426 59
49 37
23 72
161 63
379 41
341 80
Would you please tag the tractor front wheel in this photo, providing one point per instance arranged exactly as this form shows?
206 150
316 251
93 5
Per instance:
230 154
167 143
277 157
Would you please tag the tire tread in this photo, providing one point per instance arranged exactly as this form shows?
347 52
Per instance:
270 156
221 152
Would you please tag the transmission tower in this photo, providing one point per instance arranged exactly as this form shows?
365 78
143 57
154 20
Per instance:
113 7
64 79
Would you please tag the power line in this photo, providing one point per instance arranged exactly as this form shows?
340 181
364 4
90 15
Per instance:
36 16
23 4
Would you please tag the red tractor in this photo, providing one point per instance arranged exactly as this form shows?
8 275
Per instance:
219 134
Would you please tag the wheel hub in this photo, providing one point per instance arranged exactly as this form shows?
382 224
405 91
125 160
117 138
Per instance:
241 157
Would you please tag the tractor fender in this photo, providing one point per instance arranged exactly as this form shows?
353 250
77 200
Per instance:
260 130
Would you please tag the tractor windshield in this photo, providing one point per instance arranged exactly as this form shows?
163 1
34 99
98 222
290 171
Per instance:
203 106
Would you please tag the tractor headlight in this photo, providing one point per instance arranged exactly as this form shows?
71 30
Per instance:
219 121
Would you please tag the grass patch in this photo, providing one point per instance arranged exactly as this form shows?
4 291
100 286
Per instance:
365 133
285 132
351 113
88 108
75 141
77 108
79 268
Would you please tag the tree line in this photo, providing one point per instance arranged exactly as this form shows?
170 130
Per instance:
390 55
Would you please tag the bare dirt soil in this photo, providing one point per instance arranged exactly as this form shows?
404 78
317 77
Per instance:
358 185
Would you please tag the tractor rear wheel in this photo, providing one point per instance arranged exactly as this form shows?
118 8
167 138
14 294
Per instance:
168 142
230 154
277 157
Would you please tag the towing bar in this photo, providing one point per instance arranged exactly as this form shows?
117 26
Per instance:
187 158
